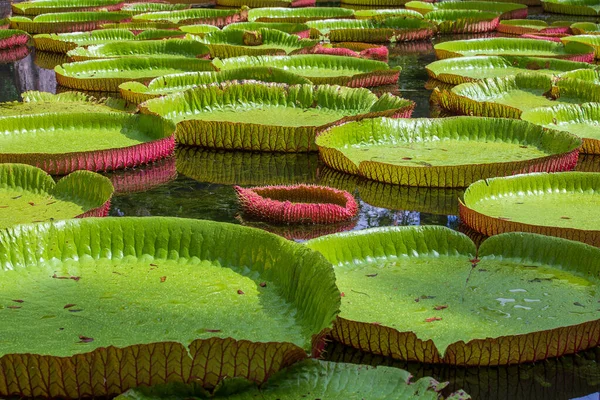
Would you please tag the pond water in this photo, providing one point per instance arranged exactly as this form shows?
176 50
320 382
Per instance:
198 184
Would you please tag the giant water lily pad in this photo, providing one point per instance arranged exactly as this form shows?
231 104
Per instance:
137 92
510 96
587 75
373 30
572 7
209 16
563 205
585 28
63 42
314 379
581 120
67 22
519 298
28 194
463 21
301 30
459 70
172 48
592 40
90 285
386 13
323 69
265 3
10 38
298 15
234 43
268 117
60 143
140 8
507 10
137 26
37 7
514 47
447 152
525 26
107 75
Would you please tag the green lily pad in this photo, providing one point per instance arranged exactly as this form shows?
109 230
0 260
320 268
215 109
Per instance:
572 7
140 8
265 3
519 298
199 29
562 205
297 15
266 116
510 96
141 26
588 75
209 16
592 40
28 194
459 70
386 13
507 10
172 48
234 43
447 152
313 379
301 30
585 28
107 75
372 30
86 277
463 21
580 120
514 47
68 102
67 22
63 42
60 6
323 69
137 92
63 142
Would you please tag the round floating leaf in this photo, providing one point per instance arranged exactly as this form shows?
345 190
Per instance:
209 16
67 22
592 40
266 116
514 47
107 75
463 21
298 15
63 42
591 75
459 70
583 28
301 30
520 298
59 6
524 26
200 29
60 143
447 152
572 7
386 13
563 205
580 120
323 69
10 38
375 3
136 92
28 194
372 30
267 303
235 43
506 10
172 48
314 379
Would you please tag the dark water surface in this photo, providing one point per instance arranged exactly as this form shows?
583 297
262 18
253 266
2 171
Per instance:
198 183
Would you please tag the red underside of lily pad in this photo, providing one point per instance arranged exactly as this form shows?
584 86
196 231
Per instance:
297 204
13 54
145 178
552 37
14 41
379 53
101 211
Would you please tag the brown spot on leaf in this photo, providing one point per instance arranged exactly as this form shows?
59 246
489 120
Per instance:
18 301
407 158
31 203
153 265
565 217
371 275
240 291
3 206
213 330
52 202
263 284
342 294
69 305
14 307
441 307
162 279
85 339
433 319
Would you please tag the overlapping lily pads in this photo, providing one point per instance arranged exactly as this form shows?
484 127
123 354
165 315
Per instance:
507 10
60 143
28 194
107 75
463 21
572 7
592 40
466 69
209 16
173 48
137 92
67 22
447 152
581 120
519 298
43 102
63 42
525 26
235 43
10 38
248 321
323 69
268 117
514 47
298 15
372 30
301 30
59 6
562 205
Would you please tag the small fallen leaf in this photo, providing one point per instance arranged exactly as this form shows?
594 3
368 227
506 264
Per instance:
18 301
213 330
69 305
162 279
240 291
85 339
433 319
565 217
371 275
441 307
31 203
